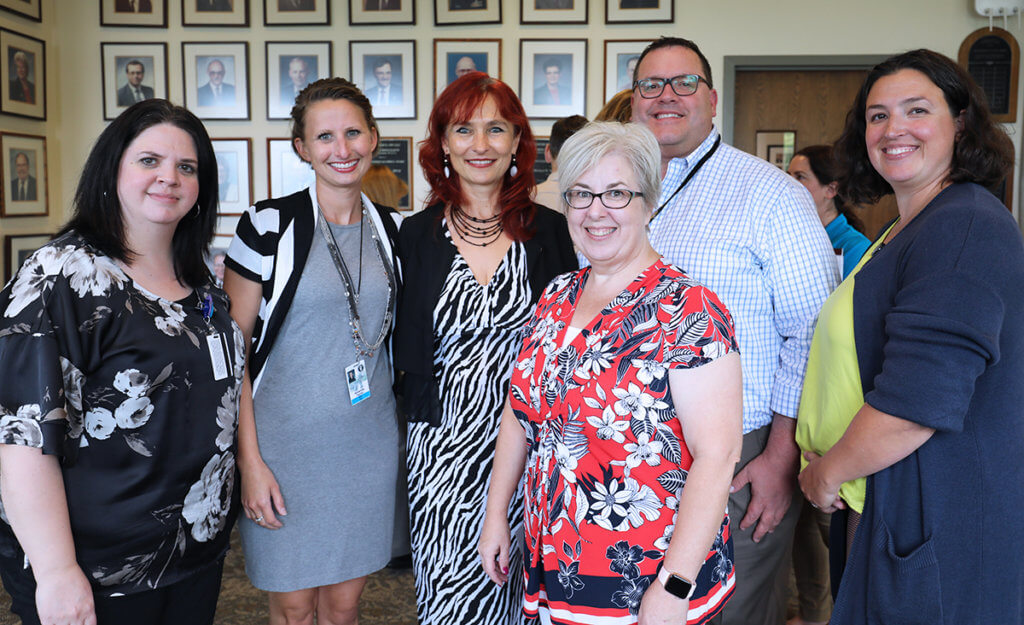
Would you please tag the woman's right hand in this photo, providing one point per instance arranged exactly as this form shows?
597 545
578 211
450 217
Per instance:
495 542
261 496
64 597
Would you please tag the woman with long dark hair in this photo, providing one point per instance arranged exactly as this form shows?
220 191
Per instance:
476 260
119 377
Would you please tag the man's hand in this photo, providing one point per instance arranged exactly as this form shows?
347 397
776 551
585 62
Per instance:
772 479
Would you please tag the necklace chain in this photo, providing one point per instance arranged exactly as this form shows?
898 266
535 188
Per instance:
476 231
352 295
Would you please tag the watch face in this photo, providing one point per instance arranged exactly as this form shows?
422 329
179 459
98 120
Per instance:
679 587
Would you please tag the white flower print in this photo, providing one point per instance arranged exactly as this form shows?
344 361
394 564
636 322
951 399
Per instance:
21 428
608 427
99 423
208 500
227 418
36 275
607 499
662 542
634 401
648 369
644 450
133 412
566 462
132 382
90 275
597 357
171 324
642 501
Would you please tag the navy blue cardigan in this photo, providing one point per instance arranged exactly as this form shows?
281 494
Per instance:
939 330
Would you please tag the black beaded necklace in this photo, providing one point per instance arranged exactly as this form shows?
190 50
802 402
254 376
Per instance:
476 231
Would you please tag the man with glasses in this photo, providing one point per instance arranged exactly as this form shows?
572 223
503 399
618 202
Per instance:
216 92
741 227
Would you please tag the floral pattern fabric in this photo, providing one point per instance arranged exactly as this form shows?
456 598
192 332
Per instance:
607 461
120 384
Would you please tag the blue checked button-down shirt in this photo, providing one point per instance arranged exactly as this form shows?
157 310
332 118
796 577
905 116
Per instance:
750 233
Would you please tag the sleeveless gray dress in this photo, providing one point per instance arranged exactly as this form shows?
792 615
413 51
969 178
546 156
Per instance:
336 463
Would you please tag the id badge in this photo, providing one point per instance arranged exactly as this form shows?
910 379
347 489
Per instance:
218 358
358 383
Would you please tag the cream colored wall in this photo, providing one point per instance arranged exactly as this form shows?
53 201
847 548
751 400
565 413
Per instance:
721 27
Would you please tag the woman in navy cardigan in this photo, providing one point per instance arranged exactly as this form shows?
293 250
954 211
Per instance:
938 326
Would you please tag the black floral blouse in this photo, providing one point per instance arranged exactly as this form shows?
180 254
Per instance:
120 384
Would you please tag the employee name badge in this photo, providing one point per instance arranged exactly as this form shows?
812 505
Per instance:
358 384
218 359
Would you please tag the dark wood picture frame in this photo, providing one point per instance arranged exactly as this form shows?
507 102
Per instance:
15 46
19 246
155 17
30 9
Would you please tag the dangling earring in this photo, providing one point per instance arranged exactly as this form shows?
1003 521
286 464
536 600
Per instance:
447 163
512 171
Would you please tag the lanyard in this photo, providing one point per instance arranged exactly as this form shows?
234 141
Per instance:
352 295
693 172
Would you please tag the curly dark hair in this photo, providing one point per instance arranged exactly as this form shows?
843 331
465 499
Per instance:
982 153
456 104
97 215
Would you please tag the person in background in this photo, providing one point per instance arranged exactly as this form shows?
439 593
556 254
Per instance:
922 352
383 187
815 168
617 109
313 280
628 392
547 193
119 377
749 232
476 260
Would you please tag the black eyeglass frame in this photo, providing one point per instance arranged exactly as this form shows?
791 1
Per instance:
632 194
670 82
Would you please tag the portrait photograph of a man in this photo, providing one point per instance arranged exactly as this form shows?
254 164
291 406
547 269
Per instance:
296 5
385 71
216 91
133 6
23 163
384 83
216 79
291 66
133 88
296 73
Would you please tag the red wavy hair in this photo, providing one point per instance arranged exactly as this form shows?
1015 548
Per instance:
456 104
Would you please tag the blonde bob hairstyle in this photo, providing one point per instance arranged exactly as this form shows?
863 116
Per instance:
634 142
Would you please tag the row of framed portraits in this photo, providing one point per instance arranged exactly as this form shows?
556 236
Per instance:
215 75
153 13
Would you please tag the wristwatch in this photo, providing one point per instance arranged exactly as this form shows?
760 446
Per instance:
676 584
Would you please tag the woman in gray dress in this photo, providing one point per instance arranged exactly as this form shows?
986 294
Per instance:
313 281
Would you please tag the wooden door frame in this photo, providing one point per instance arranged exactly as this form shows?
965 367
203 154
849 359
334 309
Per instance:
789 62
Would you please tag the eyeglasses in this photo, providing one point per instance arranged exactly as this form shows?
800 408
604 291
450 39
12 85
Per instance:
683 85
612 198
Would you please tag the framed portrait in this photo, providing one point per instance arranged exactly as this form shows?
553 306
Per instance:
627 11
395 153
455 57
620 59
386 73
296 12
221 13
541 168
132 72
234 180
216 79
553 11
24 8
22 75
448 12
23 159
133 13
286 172
362 12
18 247
291 65
553 77
776 146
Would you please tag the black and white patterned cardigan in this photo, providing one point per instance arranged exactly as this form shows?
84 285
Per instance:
271 245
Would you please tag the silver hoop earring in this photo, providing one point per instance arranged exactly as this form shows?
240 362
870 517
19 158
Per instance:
198 210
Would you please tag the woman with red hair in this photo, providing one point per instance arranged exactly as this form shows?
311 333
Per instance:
475 260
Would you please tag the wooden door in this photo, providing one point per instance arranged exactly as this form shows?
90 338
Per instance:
813 103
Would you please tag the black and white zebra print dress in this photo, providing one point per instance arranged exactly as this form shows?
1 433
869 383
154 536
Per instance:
476 341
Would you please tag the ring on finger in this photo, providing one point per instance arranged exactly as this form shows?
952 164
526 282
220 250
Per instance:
259 519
